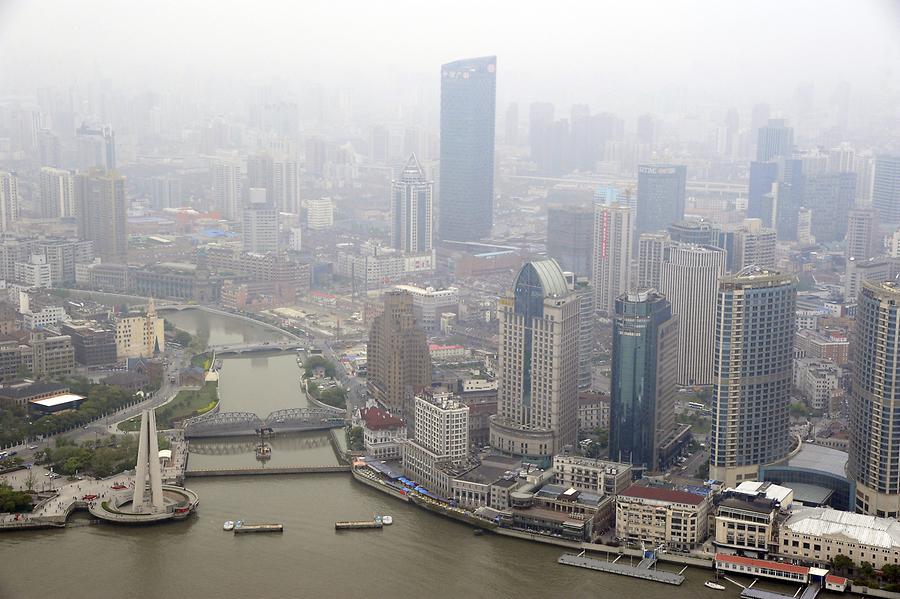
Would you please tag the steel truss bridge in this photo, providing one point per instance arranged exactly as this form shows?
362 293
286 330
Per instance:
231 424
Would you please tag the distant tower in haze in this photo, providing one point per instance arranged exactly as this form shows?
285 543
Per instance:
644 363
660 196
57 193
689 277
468 89
752 373
411 209
886 188
759 205
570 237
775 140
227 188
512 125
101 210
613 235
537 398
862 231
260 226
9 200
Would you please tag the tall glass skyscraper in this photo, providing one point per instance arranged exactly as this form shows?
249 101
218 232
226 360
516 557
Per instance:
466 198
644 365
886 188
752 373
875 401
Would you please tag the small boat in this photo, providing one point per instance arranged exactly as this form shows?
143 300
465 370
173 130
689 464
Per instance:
387 520
712 584
478 532
229 525
378 520
239 524
263 452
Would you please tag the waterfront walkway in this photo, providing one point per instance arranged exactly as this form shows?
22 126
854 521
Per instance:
643 570
53 510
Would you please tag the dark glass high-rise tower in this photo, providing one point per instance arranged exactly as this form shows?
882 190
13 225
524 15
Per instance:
466 198
644 366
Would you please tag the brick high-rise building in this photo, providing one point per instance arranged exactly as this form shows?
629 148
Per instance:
399 364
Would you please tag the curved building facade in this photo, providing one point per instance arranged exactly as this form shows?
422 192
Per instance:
538 366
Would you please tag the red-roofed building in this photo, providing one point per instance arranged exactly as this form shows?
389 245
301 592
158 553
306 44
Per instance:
760 567
383 433
662 516
836 583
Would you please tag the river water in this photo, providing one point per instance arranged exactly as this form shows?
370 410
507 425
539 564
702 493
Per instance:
420 555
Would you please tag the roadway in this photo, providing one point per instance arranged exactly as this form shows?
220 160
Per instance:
355 386
109 424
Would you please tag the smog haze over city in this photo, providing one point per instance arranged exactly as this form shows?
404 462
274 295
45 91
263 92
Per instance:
460 299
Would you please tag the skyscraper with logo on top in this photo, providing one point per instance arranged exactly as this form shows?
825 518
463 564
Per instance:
466 202
660 196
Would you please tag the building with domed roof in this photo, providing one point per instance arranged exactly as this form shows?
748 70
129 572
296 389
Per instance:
537 411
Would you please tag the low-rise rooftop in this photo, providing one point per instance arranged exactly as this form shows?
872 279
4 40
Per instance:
866 530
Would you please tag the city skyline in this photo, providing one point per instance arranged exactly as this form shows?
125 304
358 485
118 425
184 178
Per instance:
473 273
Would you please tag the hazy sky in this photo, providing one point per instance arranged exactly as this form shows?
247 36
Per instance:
590 51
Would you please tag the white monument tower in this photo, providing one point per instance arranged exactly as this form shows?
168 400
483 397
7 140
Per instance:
148 464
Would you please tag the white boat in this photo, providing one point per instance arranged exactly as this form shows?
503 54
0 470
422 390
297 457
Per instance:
387 520
229 525
712 584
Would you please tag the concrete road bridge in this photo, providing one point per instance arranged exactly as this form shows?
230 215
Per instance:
233 424
246 348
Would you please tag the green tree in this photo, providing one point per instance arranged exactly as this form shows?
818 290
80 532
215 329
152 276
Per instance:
22 372
313 362
798 409
183 338
356 437
842 563
335 397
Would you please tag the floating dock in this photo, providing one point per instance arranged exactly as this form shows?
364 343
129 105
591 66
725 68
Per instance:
357 524
643 571
247 528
